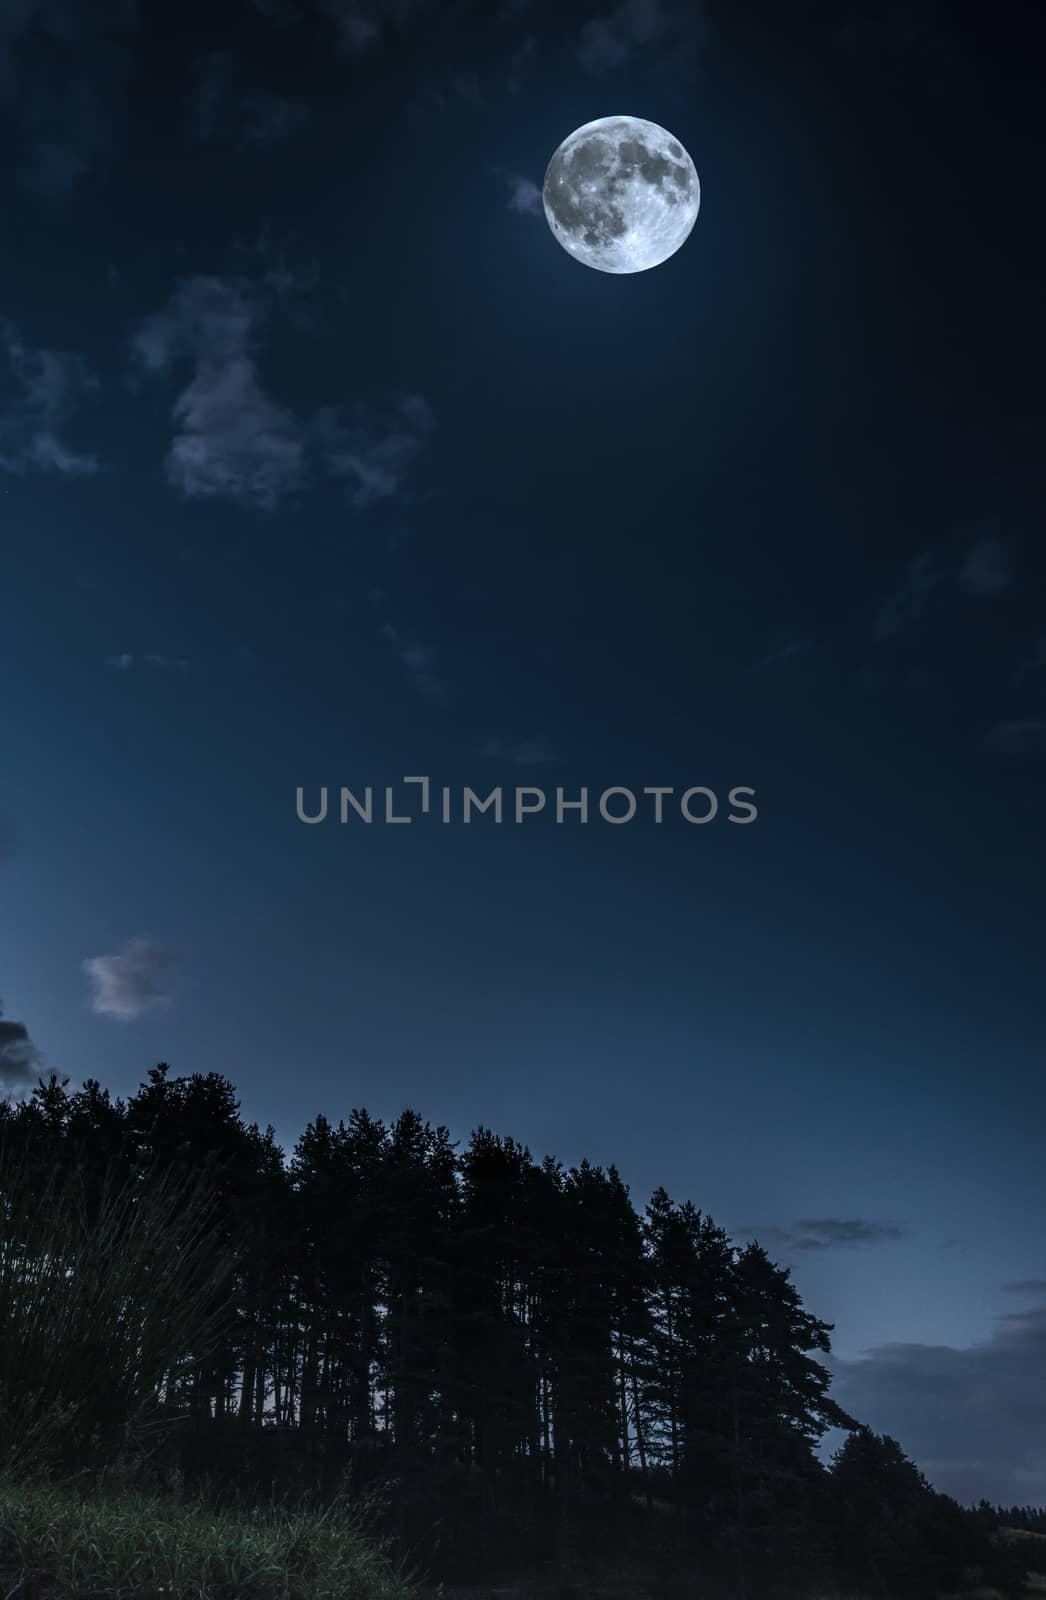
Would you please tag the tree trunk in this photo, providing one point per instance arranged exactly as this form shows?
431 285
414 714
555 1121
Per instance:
637 1414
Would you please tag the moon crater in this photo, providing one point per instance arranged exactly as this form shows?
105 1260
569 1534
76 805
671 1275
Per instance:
621 194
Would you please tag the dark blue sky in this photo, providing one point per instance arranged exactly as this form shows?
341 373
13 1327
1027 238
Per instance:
322 463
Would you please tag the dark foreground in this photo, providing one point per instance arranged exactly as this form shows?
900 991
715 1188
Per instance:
63 1542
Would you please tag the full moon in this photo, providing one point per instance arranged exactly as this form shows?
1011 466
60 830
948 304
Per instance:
621 194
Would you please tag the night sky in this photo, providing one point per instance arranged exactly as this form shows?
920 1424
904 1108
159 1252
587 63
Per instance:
321 463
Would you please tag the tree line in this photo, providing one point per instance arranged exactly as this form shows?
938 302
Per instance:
503 1353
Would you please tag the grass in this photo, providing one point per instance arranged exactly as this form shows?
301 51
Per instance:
61 1542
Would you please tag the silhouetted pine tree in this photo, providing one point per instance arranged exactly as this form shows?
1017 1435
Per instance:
479 1330
493 1412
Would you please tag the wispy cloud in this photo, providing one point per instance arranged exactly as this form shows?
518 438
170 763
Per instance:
282 284
151 658
791 650
20 1060
525 197
520 62
361 25
465 86
418 661
223 108
908 603
51 167
50 384
1036 660
986 567
375 453
983 570
268 119
128 984
364 24
177 663
614 38
1017 736
829 1233
62 67
232 439
1029 1288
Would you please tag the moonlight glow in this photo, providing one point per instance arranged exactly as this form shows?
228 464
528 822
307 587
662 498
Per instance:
621 194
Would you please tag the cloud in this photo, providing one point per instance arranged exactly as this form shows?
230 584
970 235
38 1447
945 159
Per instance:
520 61
20 1060
973 1418
178 663
223 109
52 168
908 603
231 440
126 985
63 66
466 86
986 568
361 25
614 38
50 385
288 287
1036 660
205 318
206 111
443 94
791 650
520 752
1029 1288
268 119
830 1233
419 663
525 197
151 658
1018 736
375 454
